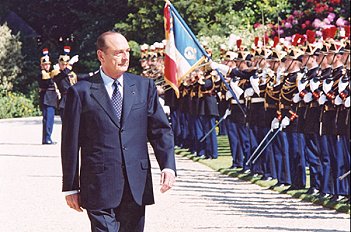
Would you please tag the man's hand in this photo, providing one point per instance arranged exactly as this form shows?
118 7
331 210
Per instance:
275 124
167 181
73 201
285 122
73 60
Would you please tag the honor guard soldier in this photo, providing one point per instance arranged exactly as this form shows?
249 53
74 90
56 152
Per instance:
64 77
342 101
312 112
239 80
337 154
208 111
48 96
225 110
328 113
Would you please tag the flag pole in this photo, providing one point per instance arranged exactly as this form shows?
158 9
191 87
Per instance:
205 54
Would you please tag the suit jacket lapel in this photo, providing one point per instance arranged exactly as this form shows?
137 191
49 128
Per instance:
128 95
99 93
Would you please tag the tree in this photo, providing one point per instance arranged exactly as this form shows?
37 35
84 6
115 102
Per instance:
10 59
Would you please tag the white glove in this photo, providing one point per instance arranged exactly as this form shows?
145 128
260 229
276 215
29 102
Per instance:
227 113
73 60
249 92
221 67
255 84
296 98
308 97
347 102
56 67
275 124
322 99
338 100
285 122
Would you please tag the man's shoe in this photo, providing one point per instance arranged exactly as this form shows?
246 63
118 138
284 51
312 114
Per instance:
336 198
266 178
49 143
324 195
312 191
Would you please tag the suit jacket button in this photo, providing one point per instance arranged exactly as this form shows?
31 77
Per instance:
124 148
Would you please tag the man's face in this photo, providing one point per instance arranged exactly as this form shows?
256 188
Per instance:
63 65
46 66
115 59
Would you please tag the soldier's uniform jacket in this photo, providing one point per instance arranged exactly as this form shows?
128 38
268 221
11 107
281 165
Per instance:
241 78
255 104
286 103
208 101
343 115
271 100
312 114
47 91
329 110
64 79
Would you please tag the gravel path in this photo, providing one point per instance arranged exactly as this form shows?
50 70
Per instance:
201 201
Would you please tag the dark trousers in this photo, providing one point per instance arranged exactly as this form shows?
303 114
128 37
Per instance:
313 151
234 143
127 217
48 123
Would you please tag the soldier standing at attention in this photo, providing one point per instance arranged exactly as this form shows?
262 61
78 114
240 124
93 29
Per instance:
48 97
64 77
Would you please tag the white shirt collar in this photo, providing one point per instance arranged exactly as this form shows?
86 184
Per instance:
108 82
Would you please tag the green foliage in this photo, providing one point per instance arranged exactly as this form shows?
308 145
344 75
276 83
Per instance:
14 105
10 58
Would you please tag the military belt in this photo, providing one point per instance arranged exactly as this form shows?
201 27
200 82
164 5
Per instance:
257 100
233 101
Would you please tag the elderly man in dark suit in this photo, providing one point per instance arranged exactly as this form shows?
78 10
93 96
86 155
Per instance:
109 118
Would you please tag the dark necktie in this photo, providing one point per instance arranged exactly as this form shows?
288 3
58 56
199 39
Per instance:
117 100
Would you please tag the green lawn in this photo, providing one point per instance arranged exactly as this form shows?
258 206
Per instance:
225 160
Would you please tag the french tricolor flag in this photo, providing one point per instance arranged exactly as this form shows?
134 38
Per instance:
183 53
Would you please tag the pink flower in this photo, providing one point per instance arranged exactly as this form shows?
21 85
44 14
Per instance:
340 22
318 33
287 25
331 16
326 21
294 22
303 26
316 23
308 22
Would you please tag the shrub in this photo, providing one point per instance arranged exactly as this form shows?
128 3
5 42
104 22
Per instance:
15 105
